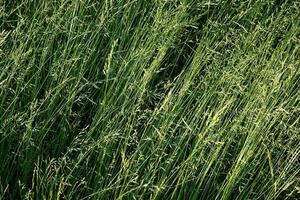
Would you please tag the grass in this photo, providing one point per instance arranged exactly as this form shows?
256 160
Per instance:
157 99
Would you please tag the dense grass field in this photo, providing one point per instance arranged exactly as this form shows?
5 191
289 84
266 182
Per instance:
150 99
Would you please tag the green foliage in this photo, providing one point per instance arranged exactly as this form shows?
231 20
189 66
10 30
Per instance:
156 99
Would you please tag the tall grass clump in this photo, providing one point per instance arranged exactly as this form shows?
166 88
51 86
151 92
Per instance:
149 99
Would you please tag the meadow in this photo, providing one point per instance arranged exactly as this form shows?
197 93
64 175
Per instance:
150 99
